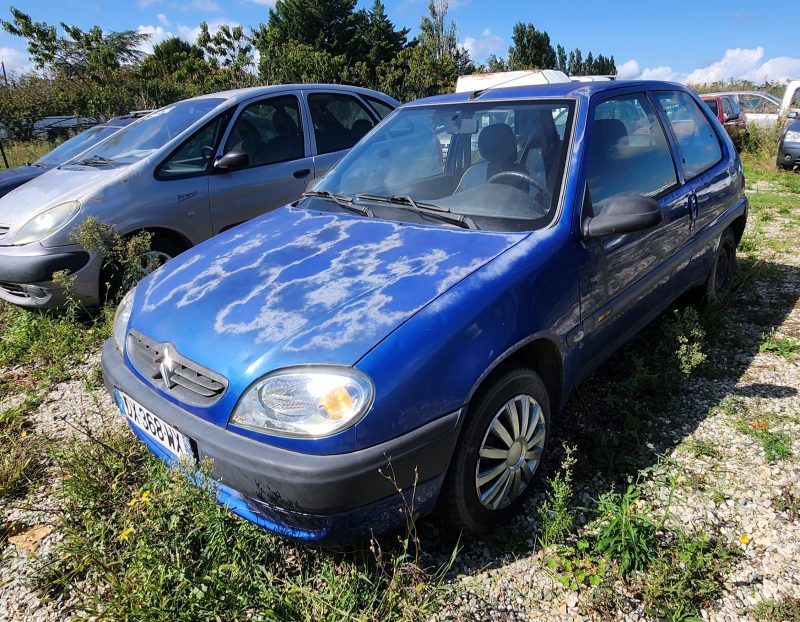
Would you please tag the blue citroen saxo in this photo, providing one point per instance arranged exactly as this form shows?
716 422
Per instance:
416 320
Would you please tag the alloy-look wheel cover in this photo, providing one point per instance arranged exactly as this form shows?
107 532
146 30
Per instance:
510 452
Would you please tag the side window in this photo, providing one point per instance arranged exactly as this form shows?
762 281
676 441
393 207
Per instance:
765 106
268 131
697 142
735 107
382 108
747 102
194 155
796 99
726 107
712 104
628 151
340 121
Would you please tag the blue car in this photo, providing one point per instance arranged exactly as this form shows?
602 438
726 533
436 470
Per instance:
16 176
405 335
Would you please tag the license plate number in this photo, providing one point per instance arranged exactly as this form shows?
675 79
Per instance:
163 433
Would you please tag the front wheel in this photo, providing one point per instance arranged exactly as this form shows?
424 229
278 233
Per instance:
498 455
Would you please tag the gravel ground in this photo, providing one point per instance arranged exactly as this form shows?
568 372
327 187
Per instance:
734 494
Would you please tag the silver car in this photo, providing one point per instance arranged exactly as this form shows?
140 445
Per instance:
184 173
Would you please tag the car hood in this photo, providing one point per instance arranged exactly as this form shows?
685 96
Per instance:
303 287
52 188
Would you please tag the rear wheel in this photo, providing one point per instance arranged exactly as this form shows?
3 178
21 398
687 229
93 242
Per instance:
720 279
112 276
499 452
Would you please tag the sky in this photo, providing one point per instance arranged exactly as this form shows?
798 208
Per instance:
690 41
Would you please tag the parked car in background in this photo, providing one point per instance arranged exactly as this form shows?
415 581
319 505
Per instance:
789 148
183 173
14 177
728 113
764 109
419 331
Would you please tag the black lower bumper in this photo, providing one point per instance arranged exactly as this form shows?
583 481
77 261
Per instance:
39 268
789 155
293 481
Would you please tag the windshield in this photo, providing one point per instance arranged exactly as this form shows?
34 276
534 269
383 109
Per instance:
498 163
139 140
76 145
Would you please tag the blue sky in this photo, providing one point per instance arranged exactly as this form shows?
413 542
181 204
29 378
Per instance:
696 41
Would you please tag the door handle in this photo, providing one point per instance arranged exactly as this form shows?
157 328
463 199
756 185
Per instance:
303 172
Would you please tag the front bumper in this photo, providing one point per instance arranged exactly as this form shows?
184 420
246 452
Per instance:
26 275
328 499
789 155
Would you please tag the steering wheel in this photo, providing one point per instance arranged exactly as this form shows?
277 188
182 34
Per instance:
520 175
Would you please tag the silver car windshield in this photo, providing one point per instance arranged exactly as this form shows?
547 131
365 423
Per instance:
140 139
76 145
499 164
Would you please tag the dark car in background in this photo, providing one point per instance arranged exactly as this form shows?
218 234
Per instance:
16 176
789 149
728 112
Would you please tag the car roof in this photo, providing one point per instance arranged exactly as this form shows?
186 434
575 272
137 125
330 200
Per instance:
559 89
255 91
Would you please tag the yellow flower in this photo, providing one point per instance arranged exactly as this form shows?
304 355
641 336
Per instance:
125 534
145 496
24 434
133 502
744 538
65 556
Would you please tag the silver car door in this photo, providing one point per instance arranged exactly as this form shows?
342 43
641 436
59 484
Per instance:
271 131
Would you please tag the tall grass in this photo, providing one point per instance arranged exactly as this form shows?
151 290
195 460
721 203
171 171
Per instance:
26 152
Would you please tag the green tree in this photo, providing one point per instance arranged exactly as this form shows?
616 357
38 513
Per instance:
329 26
381 41
531 49
174 57
435 34
561 58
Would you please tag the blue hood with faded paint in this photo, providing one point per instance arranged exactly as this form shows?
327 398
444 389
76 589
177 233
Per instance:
11 178
303 287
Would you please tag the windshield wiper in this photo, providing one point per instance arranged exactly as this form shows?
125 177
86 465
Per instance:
428 209
340 200
96 161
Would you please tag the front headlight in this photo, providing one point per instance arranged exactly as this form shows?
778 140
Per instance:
46 223
308 401
121 318
792 137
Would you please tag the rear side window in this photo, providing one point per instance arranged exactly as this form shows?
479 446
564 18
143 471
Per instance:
697 142
726 107
628 151
340 121
712 103
382 108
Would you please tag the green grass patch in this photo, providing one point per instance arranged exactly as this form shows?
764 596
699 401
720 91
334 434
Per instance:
786 347
786 610
556 515
776 445
156 547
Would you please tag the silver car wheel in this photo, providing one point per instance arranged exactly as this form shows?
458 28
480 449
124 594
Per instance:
510 452
153 259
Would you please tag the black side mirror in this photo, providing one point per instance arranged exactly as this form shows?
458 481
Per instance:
792 114
623 214
231 161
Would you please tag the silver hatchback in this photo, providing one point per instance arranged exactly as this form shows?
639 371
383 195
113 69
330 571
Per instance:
183 173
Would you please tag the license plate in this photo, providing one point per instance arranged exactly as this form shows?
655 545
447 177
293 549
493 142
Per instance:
160 431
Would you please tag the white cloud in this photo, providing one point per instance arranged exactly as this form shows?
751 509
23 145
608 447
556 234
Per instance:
628 69
735 64
157 35
208 6
162 19
479 49
15 61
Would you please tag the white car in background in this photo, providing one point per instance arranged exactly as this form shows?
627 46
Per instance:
764 109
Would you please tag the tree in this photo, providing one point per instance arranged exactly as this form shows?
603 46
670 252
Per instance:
435 34
174 57
531 49
561 58
329 26
228 47
381 41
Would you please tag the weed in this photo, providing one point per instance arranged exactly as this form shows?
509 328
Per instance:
786 610
158 547
555 513
625 533
787 347
776 445
788 501
701 448
575 567
685 576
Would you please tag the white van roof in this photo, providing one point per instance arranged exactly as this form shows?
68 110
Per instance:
483 81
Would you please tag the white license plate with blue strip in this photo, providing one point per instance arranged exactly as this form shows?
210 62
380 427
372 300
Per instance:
163 433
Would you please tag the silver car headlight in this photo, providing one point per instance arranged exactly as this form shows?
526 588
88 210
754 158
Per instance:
305 401
792 137
46 223
121 319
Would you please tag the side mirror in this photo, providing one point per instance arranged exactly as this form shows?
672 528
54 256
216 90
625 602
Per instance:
793 114
231 161
623 214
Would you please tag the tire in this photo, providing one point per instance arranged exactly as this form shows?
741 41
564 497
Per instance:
501 461
111 276
720 278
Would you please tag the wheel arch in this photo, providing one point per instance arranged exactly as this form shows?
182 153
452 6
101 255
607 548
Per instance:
162 232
